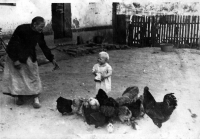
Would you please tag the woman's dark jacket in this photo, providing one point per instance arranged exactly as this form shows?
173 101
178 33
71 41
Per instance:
23 42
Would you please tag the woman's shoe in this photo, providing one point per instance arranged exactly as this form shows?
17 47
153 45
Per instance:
36 103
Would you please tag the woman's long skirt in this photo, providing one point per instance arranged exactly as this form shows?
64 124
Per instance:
23 81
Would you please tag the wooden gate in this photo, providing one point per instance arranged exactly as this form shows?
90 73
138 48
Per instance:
182 31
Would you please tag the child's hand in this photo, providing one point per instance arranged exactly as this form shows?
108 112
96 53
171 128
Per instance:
94 71
102 77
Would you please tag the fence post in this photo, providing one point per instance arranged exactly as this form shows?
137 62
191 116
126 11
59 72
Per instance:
114 21
130 34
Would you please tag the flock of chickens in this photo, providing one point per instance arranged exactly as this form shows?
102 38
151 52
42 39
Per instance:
102 110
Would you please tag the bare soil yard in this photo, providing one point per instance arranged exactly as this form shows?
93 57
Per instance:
177 72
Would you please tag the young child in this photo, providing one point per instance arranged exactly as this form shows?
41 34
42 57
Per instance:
102 71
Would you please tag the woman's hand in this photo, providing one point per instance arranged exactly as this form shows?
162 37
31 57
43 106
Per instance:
56 67
17 65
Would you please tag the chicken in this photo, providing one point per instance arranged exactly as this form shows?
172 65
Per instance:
123 100
136 109
159 112
93 116
108 105
94 103
101 96
64 105
129 95
124 114
77 104
110 108
131 92
130 99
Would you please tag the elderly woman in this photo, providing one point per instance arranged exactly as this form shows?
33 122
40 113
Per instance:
21 75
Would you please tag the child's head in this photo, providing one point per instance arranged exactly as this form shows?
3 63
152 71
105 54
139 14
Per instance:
103 57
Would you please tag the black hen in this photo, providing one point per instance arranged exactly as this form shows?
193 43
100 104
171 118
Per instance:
93 116
108 105
64 105
104 100
159 112
101 96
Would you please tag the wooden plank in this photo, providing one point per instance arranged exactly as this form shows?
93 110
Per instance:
185 31
169 26
183 26
153 33
137 28
94 28
121 29
178 30
161 25
162 29
188 32
67 20
175 26
133 27
142 30
114 21
192 32
159 30
135 31
165 25
130 33
57 20
172 29
8 4
166 29
145 31
145 25
197 31
149 29
181 29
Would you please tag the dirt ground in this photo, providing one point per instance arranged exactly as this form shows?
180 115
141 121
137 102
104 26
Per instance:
177 72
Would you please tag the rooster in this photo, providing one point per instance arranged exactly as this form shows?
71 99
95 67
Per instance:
159 112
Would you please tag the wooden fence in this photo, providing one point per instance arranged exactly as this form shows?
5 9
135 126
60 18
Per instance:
179 30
